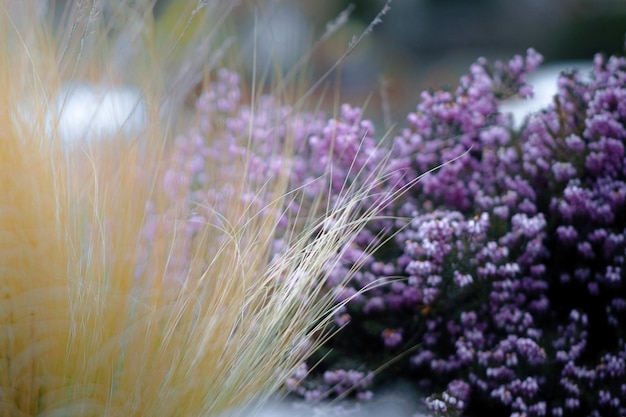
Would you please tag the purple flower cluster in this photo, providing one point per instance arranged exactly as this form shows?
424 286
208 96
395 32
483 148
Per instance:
333 383
238 151
452 401
505 265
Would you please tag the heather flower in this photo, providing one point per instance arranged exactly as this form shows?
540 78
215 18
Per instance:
338 382
505 265
392 338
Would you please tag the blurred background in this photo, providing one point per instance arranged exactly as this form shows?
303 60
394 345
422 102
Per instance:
419 44
429 43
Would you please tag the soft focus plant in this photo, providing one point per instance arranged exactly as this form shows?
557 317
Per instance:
139 277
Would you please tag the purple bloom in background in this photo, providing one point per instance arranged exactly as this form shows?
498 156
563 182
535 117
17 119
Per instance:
392 338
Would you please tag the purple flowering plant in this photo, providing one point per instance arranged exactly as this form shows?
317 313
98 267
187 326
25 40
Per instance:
505 266
498 283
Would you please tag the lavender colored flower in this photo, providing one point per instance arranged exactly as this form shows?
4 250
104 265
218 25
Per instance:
392 338
512 252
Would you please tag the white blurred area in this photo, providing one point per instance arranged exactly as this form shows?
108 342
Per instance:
397 400
545 87
87 112
280 37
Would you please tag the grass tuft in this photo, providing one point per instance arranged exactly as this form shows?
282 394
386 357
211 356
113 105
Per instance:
86 331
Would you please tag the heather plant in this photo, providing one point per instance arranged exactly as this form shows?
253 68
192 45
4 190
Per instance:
503 269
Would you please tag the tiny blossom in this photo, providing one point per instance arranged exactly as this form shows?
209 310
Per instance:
437 406
365 395
567 234
313 395
374 304
342 319
575 143
392 337
563 171
462 280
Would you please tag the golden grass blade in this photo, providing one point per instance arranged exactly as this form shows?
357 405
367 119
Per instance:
82 332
